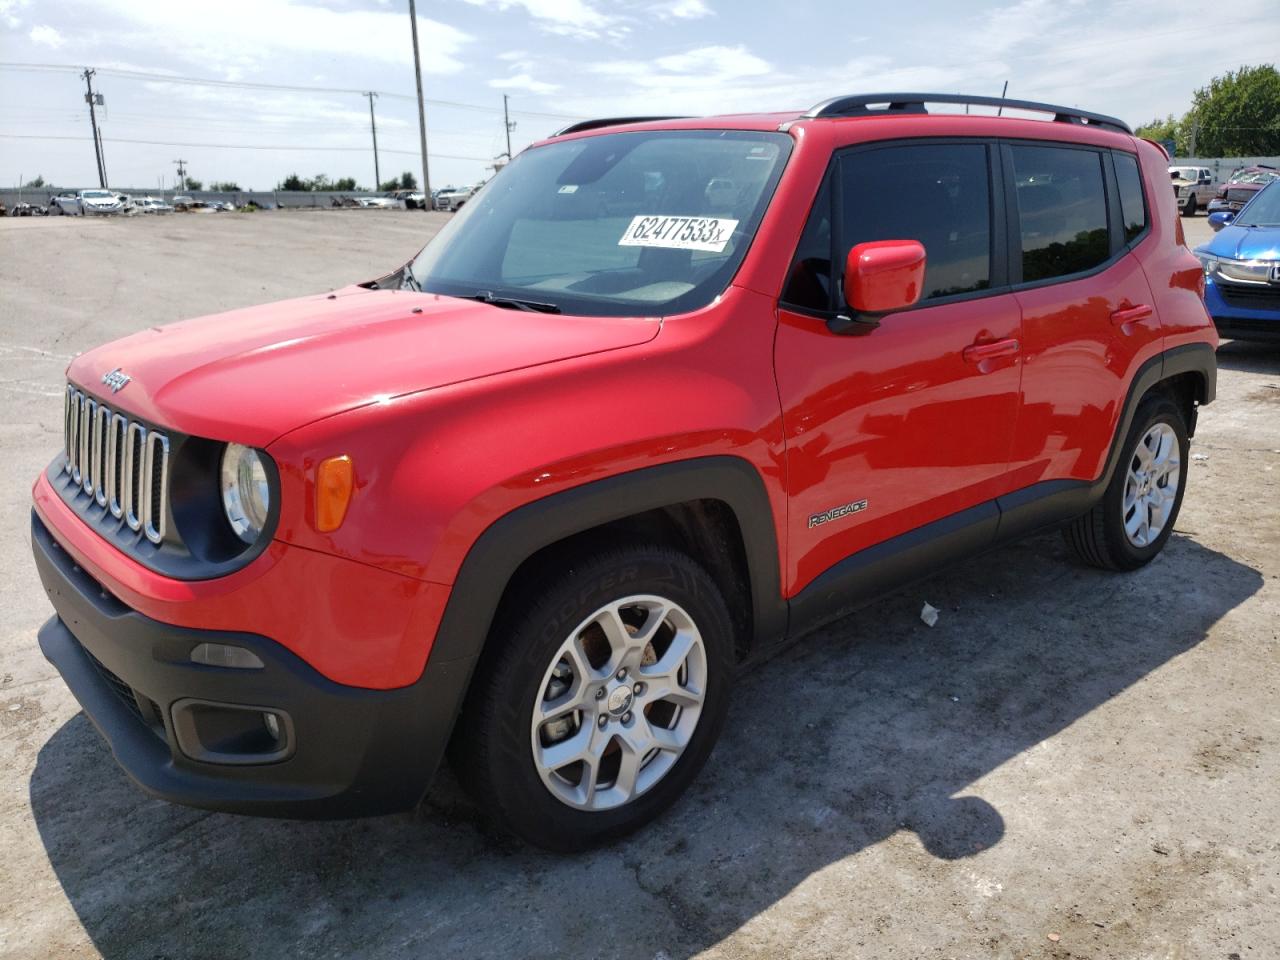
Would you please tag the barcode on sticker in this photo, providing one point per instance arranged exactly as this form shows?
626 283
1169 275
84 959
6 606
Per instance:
679 233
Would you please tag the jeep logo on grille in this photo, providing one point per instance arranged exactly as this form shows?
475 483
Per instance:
117 379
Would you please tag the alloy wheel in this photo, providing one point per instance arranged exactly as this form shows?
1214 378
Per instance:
1151 485
619 703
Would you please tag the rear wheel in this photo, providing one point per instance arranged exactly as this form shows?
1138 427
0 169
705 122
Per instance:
602 699
1135 517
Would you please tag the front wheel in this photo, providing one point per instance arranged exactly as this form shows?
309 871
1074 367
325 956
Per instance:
601 699
1135 517
1189 206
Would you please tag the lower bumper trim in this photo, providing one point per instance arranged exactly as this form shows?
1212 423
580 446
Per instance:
358 751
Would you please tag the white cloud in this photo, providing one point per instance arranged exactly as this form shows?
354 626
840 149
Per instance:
279 27
46 36
701 67
9 12
523 81
682 10
569 18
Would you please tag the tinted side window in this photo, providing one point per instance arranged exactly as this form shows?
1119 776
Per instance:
1132 208
1062 211
938 194
809 283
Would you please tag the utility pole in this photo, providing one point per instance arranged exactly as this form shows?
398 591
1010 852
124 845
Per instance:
92 100
182 173
373 126
506 122
422 113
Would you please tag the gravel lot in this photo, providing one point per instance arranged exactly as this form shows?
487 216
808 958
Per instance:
1070 764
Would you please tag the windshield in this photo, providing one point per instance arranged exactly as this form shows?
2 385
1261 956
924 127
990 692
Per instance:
1255 176
98 194
1263 210
624 224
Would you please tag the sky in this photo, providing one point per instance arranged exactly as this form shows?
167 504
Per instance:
557 60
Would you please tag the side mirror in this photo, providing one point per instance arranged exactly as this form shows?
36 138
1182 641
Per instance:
1220 219
880 277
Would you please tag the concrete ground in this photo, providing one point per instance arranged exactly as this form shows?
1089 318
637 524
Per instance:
1070 764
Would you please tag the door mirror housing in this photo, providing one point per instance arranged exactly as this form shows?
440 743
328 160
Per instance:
883 276
1220 219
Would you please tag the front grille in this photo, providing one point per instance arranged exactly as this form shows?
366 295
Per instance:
140 705
1240 196
121 464
1250 298
121 689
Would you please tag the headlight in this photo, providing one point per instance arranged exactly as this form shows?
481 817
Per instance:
1209 263
246 495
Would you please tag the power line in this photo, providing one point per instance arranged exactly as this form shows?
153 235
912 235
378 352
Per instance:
232 146
284 87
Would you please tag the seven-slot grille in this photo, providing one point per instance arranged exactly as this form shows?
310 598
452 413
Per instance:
121 464
1240 196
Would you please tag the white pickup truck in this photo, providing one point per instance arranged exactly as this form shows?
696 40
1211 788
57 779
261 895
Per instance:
1194 188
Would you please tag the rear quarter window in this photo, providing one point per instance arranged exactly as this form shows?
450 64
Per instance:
1133 207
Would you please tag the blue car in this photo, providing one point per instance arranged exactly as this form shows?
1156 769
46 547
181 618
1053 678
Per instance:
1242 269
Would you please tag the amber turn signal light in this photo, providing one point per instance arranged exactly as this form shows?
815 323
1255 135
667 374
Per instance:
335 481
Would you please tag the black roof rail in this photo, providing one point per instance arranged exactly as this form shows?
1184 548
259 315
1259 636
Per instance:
607 122
862 104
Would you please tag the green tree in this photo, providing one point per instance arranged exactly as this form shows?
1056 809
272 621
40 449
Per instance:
1236 115
1170 128
225 186
292 182
406 181
193 184
35 184
344 183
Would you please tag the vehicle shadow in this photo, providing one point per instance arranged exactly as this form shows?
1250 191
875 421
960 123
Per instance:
1249 357
871 727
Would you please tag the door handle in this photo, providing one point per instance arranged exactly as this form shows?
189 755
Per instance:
1131 314
977 352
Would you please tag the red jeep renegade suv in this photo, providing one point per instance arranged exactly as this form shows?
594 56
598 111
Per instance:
664 394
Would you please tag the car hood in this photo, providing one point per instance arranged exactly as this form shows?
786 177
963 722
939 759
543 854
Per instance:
252 375
1245 243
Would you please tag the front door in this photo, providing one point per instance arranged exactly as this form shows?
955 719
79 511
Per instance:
907 423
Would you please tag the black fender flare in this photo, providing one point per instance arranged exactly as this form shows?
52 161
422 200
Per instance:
514 537
1189 358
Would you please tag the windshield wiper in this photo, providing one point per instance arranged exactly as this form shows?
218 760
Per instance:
511 303
408 281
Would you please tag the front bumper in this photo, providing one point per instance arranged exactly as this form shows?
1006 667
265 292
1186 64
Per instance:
1241 317
352 751
1218 204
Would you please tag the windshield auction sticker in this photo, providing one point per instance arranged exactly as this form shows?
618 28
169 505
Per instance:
679 233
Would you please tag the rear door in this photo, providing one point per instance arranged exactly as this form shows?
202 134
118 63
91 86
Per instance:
1087 311
900 425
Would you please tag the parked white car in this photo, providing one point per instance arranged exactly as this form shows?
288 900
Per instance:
97 203
153 205
381 203
453 199
1194 188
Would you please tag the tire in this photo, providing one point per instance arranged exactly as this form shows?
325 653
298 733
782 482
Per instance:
1189 206
1112 535
644 750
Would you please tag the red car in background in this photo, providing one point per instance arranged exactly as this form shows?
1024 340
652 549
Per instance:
1241 186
